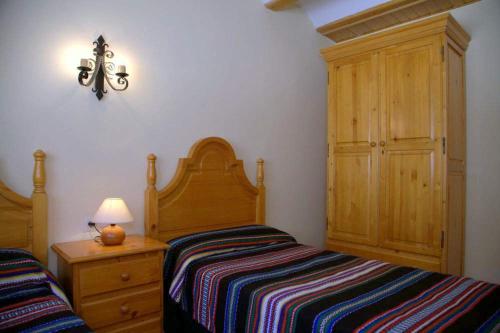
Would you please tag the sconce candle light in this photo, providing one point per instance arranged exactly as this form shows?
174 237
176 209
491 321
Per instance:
101 70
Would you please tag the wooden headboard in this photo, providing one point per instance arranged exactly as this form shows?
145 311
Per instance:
210 190
23 221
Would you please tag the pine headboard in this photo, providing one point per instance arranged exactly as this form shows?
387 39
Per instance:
210 190
23 221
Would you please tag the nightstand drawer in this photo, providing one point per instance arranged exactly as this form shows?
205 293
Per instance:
148 324
100 277
121 307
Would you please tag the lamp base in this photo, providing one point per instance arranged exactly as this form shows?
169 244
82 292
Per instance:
112 235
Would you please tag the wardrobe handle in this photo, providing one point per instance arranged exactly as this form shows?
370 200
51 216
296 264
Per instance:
124 309
373 144
125 277
382 143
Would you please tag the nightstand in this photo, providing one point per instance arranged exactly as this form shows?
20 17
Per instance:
115 288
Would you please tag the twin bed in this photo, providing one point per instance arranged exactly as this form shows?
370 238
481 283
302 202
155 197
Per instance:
31 300
226 271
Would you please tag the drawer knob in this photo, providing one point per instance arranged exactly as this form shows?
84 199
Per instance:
124 309
125 277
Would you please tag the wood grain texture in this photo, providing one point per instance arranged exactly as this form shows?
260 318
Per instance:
115 288
456 156
411 158
393 256
353 136
147 324
210 190
40 209
151 200
280 4
432 26
117 309
89 250
119 275
23 221
386 15
396 170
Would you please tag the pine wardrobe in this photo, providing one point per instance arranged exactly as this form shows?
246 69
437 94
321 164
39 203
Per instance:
396 145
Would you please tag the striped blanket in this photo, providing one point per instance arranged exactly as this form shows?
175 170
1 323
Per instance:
30 298
258 279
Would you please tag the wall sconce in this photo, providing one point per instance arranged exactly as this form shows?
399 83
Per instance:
101 69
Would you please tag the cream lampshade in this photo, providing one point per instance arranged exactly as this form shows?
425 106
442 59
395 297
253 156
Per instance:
113 211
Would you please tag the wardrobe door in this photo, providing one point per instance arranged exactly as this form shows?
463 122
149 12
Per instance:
411 130
352 141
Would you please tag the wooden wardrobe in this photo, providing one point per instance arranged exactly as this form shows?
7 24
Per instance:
396 145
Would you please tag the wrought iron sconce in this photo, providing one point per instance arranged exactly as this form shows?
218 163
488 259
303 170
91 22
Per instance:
101 69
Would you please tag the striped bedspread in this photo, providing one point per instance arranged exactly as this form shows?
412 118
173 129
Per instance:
258 279
30 298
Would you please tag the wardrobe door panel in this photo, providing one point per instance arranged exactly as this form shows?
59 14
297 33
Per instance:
352 99
409 223
408 75
351 216
411 92
353 160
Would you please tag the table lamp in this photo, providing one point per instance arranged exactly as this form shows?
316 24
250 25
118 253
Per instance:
113 211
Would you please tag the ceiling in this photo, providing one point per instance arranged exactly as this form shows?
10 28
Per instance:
321 12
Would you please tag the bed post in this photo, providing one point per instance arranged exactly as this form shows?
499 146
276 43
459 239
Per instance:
261 199
151 200
39 197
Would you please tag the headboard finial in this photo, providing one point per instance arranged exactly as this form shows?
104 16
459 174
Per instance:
151 200
39 199
260 172
151 174
39 171
261 199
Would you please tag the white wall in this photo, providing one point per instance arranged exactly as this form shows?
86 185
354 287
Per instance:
198 68
481 20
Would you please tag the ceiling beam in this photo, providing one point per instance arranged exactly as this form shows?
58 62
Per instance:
386 15
280 4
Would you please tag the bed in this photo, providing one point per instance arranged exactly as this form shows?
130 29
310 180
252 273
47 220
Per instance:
226 271
31 299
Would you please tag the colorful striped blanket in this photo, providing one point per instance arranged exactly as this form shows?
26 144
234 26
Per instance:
31 299
258 279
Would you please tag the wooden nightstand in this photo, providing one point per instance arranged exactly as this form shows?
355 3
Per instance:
115 288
